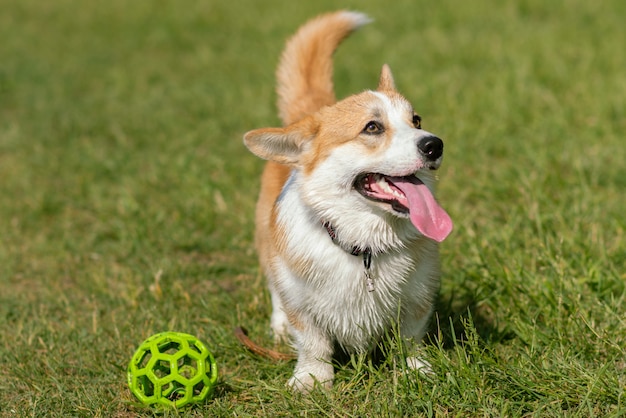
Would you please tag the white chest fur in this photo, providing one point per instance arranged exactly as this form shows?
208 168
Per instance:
320 280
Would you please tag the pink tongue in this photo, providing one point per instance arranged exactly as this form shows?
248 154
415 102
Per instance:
426 215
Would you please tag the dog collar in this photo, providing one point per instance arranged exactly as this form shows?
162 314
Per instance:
356 251
332 233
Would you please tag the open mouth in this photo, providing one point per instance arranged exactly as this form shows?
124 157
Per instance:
407 195
380 188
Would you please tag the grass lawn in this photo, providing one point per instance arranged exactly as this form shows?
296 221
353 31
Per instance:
127 200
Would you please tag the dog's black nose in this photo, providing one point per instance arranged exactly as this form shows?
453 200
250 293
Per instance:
431 147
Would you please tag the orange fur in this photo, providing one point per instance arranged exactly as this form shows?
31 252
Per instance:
305 69
272 181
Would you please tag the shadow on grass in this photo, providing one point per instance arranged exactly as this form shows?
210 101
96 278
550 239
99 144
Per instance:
221 390
454 314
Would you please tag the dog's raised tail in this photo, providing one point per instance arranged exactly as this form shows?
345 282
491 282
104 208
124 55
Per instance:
305 70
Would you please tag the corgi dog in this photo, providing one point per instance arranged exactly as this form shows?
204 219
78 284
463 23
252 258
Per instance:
347 227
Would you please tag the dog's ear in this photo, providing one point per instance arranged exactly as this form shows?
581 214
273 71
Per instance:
385 83
282 145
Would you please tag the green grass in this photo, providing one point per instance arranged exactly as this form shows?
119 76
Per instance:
127 199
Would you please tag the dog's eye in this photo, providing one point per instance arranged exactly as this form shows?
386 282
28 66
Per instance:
373 127
417 121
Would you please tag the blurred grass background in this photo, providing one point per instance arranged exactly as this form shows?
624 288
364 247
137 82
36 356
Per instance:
127 199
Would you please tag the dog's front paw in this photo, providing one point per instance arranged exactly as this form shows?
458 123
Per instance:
304 382
422 366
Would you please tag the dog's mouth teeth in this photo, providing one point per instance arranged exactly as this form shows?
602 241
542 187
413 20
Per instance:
380 188
407 195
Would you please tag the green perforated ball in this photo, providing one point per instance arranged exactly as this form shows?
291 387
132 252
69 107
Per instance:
172 369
